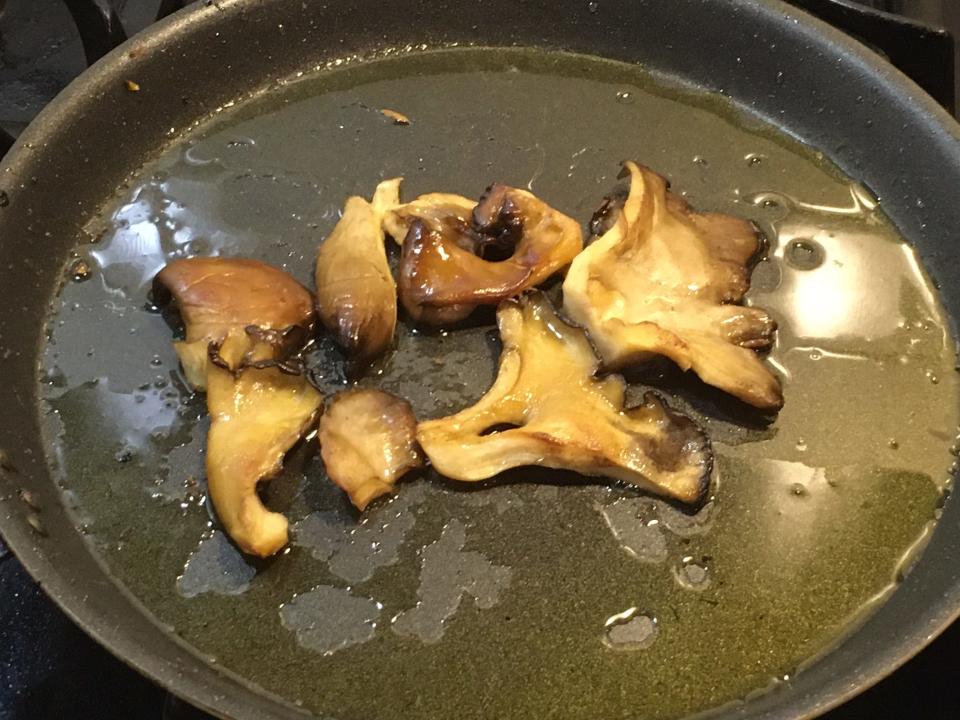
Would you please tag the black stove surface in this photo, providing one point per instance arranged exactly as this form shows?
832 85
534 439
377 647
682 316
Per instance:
50 670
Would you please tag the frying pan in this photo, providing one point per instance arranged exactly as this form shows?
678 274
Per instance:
779 63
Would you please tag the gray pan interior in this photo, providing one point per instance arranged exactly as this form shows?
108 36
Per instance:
774 61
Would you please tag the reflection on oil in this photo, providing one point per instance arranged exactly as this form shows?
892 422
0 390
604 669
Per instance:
635 526
691 574
149 231
354 549
327 618
860 327
447 573
216 566
835 258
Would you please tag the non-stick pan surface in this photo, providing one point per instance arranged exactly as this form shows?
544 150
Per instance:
777 63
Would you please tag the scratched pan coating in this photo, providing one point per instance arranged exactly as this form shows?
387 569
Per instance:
539 593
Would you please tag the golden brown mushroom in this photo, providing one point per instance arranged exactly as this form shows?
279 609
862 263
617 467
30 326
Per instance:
244 320
256 416
217 295
451 261
368 442
548 408
356 294
433 209
665 280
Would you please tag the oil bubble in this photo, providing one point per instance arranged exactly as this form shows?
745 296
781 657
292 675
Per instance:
804 254
630 630
691 575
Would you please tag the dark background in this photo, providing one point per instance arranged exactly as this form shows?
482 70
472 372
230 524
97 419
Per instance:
50 670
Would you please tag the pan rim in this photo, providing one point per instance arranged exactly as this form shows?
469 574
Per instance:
937 615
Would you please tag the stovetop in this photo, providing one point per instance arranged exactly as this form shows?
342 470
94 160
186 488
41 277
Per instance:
50 670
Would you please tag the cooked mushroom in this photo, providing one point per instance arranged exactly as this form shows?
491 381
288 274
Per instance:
455 258
244 322
433 209
356 294
548 408
368 442
256 416
666 280
217 295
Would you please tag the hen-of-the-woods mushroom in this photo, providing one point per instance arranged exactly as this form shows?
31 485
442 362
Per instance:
665 280
244 322
548 408
368 442
356 293
457 255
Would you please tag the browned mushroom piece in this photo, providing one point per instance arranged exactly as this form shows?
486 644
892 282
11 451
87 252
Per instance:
245 320
368 442
356 293
217 295
547 407
433 209
457 256
256 416
665 280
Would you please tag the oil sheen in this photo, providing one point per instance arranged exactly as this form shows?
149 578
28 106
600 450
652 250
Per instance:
539 593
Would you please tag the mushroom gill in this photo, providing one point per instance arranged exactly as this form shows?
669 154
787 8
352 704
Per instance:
547 407
663 279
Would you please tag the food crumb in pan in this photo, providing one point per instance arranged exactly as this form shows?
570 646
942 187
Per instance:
397 117
33 520
80 270
132 86
6 463
29 499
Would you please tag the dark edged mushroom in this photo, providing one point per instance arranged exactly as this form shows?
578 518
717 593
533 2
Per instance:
245 322
548 408
456 257
666 280
356 293
216 295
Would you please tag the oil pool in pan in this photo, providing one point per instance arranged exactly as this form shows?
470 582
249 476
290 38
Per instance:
520 599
